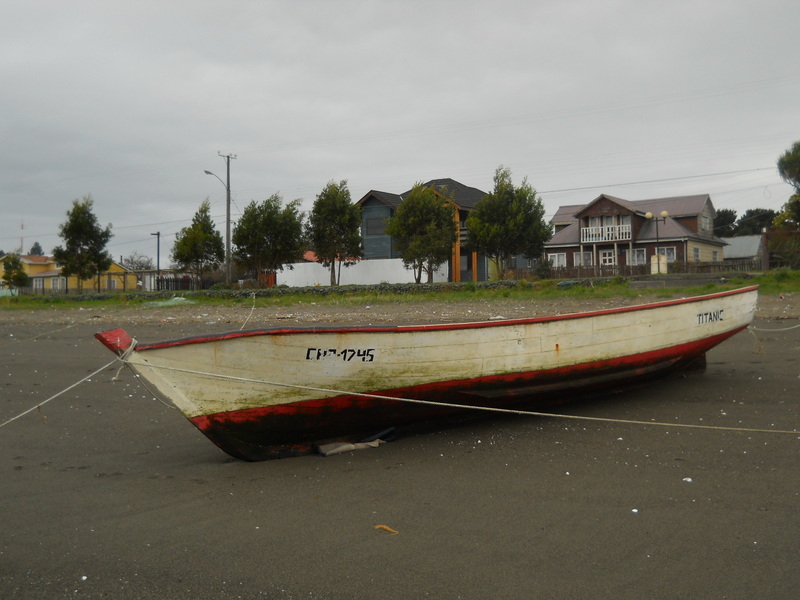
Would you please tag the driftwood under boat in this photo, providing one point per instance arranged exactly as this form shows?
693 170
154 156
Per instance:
272 393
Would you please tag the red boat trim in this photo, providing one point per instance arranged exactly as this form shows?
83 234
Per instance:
413 328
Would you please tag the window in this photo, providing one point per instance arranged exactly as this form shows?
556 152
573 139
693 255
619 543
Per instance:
607 258
715 255
696 254
558 259
637 256
669 252
582 259
376 226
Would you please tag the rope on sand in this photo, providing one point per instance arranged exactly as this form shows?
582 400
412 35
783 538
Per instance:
778 329
54 396
252 308
38 335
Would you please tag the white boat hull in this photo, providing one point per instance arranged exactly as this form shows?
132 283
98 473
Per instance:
269 393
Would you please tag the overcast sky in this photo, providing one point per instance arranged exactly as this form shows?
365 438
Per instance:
130 101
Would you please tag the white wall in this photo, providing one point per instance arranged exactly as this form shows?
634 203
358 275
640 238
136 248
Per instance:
365 272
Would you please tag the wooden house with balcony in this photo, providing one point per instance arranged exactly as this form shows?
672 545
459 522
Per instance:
614 236
378 206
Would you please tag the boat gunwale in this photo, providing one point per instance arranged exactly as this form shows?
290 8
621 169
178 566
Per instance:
313 329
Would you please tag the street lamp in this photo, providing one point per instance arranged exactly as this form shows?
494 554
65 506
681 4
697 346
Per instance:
227 185
663 218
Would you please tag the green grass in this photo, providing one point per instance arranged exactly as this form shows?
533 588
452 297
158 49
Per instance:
774 283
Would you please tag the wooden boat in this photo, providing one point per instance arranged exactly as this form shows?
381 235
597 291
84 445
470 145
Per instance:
272 393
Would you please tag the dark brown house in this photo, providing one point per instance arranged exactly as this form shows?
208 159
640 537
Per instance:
612 232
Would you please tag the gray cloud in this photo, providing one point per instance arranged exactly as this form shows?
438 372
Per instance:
131 101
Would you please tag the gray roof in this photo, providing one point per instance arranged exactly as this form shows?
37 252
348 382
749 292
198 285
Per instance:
676 206
464 196
565 215
743 246
668 229
389 199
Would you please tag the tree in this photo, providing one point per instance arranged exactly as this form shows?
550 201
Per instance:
789 166
424 230
724 222
334 229
84 254
199 247
789 170
138 262
508 221
36 250
267 236
754 221
13 272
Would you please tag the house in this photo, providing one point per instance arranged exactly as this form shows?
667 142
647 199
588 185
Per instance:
610 232
45 276
746 248
377 206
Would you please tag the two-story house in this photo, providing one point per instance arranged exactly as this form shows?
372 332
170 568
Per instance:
612 232
378 206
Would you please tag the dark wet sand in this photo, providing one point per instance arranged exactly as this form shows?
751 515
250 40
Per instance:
106 493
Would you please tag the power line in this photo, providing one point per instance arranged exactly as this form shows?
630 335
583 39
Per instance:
594 187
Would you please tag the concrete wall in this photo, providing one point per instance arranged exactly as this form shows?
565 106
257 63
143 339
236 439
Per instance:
365 272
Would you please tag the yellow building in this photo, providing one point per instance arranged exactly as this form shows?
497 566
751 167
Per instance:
45 277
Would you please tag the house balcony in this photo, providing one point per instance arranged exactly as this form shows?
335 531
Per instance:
606 233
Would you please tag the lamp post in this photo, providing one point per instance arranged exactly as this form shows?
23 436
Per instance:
663 219
227 185
158 259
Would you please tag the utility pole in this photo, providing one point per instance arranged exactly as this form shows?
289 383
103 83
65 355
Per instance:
158 259
227 184
227 158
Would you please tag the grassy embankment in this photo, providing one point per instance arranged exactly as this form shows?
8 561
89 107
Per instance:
773 283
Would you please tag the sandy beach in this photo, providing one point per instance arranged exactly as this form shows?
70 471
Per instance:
108 493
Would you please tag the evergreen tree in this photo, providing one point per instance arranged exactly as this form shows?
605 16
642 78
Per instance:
754 221
84 253
13 272
199 248
508 221
424 231
334 229
789 170
36 250
267 237
724 222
